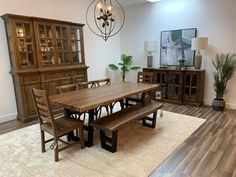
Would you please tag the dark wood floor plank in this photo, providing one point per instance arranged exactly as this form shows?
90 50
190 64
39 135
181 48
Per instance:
208 152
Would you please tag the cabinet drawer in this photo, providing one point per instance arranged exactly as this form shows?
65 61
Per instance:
80 72
31 78
64 75
55 76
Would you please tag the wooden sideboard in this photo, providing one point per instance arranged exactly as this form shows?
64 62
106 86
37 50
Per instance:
180 86
44 54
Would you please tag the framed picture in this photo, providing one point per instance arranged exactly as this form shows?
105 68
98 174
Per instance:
176 45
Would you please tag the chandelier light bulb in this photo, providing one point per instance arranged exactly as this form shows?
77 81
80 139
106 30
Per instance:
109 8
99 5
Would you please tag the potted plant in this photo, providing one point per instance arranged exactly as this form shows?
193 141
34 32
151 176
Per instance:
181 64
125 65
225 65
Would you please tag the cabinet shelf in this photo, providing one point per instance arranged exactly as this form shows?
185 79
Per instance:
174 85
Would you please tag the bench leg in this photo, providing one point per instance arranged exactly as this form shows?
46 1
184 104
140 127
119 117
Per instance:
152 120
112 141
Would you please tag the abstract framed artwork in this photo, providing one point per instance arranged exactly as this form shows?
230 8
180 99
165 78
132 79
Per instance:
176 45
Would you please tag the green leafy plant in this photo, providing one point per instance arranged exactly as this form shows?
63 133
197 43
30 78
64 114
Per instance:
181 62
125 66
225 65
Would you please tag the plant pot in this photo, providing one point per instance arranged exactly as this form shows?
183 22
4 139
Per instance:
218 104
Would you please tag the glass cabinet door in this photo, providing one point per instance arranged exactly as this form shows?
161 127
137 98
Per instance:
25 44
190 90
174 85
76 45
161 79
62 44
46 50
59 44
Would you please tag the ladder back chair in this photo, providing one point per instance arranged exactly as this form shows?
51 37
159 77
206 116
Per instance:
94 83
55 127
143 77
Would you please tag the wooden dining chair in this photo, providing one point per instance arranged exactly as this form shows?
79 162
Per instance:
143 77
67 88
96 83
57 127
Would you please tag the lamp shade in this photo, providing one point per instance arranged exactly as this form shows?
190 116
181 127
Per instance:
150 46
199 43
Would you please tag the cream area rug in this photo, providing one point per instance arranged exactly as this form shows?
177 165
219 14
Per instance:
140 151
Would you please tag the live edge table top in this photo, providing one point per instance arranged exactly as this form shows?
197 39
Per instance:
90 98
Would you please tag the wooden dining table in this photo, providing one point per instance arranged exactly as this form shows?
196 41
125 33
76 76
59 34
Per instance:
88 99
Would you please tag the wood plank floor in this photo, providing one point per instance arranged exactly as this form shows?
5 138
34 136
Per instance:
14 125
209 151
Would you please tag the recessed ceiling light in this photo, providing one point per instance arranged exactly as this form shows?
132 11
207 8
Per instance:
153 0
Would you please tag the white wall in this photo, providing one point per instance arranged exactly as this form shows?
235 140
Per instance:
215 19
97 52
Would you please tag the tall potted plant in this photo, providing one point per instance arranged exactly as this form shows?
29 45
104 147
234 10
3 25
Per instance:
225 65
125 65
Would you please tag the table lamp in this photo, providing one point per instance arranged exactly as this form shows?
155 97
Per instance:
199 43
150 46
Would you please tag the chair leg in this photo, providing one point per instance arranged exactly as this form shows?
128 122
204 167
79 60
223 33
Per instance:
56 151
42 141
81 133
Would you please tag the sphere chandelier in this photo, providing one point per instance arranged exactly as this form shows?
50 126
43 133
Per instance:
108 18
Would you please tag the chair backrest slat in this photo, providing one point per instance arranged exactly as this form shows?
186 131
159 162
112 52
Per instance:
44 118
145 77
43 107
94 83
67 88
44 113
41 100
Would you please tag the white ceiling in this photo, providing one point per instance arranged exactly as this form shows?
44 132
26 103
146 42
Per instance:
130 2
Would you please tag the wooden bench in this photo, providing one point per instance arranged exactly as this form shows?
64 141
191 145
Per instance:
110 124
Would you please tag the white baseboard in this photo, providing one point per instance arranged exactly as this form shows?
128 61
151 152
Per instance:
231 106
228 105
209 103
8 117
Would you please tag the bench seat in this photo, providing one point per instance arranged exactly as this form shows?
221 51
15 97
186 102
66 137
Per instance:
114 122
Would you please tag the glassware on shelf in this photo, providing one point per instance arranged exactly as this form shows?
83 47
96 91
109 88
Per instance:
50 33
73 35
20 32
78 34
73 46
52 60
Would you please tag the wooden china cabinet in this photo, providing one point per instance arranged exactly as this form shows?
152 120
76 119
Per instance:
44 53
